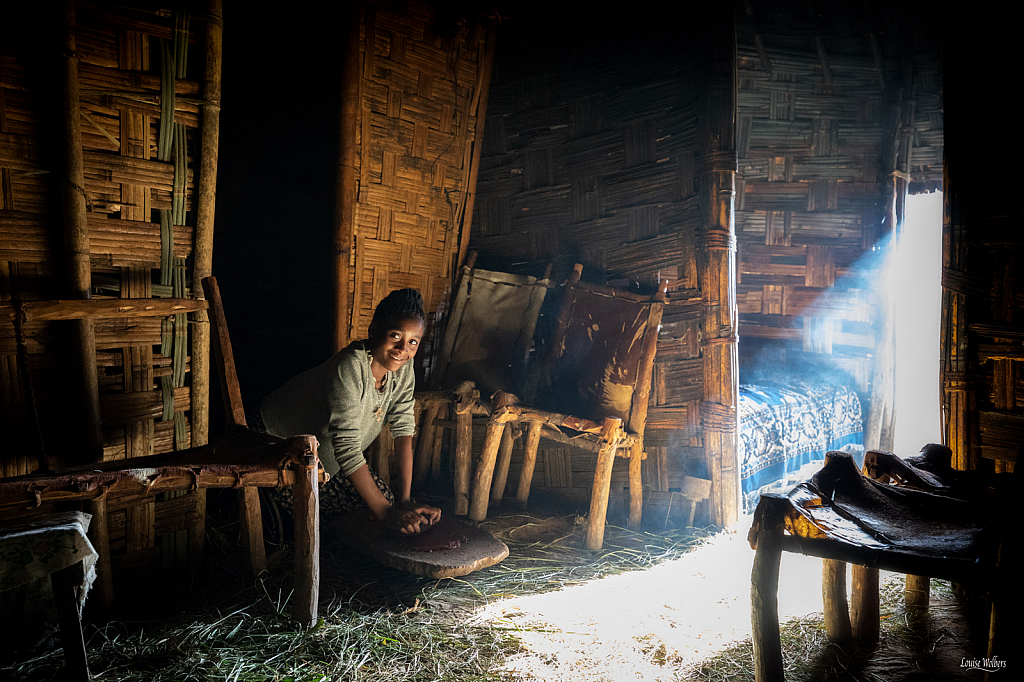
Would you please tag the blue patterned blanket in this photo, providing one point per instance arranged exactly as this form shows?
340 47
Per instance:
785 429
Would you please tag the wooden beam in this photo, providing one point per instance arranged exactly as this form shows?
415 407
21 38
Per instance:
100 309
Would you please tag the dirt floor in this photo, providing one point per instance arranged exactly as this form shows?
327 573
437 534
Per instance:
664 604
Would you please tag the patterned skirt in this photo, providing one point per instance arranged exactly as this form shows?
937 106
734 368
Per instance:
337 496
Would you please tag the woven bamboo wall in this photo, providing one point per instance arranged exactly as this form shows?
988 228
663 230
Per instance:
982 351
589 157
138 172
810 205
422 76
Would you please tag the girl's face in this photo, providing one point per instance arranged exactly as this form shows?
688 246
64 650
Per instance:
397 345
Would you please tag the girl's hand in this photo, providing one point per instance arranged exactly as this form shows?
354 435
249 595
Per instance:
431 514
405 521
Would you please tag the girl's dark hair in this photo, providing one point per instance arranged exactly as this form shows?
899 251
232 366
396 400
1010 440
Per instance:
399 305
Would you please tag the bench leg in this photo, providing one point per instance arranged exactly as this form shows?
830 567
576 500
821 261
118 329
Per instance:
764 602
864 605
636 487
463 460
917 590
833 595
252 529
306 494
485 471
421 462
501 470
65 601
100 539
529 462
599 496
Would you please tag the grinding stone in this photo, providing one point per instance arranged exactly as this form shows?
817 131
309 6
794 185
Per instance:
428 553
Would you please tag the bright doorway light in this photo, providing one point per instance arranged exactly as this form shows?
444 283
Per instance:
916 280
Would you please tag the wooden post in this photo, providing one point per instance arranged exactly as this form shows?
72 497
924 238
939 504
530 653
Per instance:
463 458
636 487
99 536
345 200
764 597
306 494
917 590
864 605
424 443
833 595
252 529
485 469
205 207
504 459
65 601
717 265
529 462
71 182
610 434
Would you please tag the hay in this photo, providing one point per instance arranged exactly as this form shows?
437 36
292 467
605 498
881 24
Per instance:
807 653
376 624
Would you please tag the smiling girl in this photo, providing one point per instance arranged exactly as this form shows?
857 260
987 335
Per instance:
344 403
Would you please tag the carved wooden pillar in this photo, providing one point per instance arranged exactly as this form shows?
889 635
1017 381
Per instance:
717 270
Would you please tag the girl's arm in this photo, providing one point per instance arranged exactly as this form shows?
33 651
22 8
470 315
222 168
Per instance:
404 520
403 491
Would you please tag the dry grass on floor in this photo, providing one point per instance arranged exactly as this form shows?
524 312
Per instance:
376 624
542 614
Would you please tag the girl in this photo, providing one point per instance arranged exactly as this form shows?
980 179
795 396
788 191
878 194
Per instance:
344 402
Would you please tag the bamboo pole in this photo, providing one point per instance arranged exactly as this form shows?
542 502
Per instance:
205 207
76 245
345 200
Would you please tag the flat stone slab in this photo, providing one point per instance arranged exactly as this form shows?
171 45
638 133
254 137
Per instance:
448 549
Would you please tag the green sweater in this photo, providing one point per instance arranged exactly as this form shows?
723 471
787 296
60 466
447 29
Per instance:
338 403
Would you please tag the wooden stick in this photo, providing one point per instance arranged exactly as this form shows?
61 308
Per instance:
306 494
602 484
435 447
345 200
529 462
636 487
917 590
232 392
65 601
504 460
463 447
252 529
836 607
99 536
864 605
482 91
764 599
485 470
